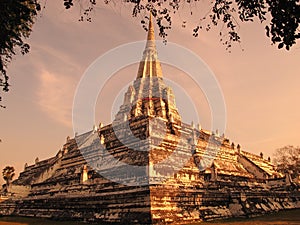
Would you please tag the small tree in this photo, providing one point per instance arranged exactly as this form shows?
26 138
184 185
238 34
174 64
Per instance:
8 173
287 159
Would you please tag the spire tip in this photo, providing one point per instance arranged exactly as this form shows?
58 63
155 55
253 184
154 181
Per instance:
151 36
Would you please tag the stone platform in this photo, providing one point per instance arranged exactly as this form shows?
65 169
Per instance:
149 167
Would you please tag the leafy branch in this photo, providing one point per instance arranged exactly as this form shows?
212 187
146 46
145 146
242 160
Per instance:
16 20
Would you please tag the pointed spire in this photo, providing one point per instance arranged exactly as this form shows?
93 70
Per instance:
150 65
149 95
151 36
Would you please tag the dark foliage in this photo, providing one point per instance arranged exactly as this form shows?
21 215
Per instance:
16 20
282 16
8 174
285 18
287 159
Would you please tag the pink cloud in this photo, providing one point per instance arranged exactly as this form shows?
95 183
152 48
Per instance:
55 96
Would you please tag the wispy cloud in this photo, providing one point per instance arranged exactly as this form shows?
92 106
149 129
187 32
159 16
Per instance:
55 95
57 73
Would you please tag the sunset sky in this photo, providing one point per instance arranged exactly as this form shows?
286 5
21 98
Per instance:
261 85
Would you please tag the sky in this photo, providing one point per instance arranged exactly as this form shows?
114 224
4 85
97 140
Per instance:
260 84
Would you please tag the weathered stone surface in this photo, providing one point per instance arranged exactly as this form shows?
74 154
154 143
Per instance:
178 174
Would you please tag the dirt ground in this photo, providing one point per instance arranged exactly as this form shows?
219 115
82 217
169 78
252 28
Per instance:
291 217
